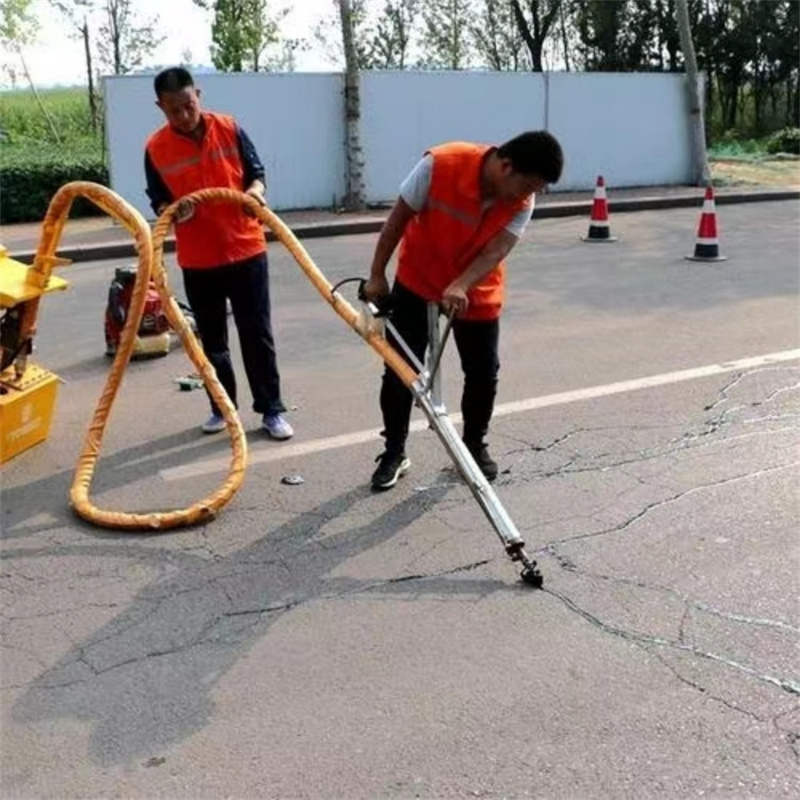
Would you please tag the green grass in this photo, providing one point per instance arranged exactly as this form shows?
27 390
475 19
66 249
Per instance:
87 149
738 149
27 136
35 161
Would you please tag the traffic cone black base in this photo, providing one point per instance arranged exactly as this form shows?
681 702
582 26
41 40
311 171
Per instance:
700 257
707 244
599 228
598 234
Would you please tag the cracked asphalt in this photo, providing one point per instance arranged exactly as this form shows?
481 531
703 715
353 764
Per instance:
321 641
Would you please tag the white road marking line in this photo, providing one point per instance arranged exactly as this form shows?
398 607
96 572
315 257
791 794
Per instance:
361 437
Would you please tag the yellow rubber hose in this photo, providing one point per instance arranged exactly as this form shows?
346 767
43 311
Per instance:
151 265
285 236
136 225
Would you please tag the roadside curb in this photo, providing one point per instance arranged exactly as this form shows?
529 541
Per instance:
126 248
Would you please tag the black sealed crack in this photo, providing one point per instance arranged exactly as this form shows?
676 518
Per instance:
789 735
703 690
786 684
574 463
689 603
550 548
793 737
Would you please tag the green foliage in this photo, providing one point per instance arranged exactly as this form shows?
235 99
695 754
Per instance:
389 43
784 141
32 165
447 34
617 37
22 122
125 41
28 188
498 39
735 144
242 32
18 23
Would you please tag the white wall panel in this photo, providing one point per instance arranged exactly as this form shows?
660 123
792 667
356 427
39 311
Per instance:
404 113
295 121
631 128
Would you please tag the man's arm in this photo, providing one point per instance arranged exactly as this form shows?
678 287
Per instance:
413 196
454 297
160 196
391 233
254 178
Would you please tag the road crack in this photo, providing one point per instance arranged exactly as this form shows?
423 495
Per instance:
785 684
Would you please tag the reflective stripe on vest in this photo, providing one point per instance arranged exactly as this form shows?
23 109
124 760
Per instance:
218 233
452 228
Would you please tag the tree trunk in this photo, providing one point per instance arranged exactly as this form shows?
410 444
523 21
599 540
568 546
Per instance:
354 193
724 103
525 32
709 92
564 38
116 36
796 111
758 101
89 74
701 173
735 106
792 102
39 102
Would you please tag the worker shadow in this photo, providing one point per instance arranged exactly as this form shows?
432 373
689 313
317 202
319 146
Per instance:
47 498
144 681
91 367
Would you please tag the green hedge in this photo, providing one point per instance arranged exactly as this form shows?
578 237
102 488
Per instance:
784 141
27 188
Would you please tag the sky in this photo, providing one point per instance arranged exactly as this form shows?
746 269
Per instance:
57 59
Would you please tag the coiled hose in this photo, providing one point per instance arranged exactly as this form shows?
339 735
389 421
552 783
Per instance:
135 224
151 264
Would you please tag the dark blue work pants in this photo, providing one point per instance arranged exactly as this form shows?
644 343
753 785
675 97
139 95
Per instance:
246 285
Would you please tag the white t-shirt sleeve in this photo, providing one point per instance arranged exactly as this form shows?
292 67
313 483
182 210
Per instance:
521 219
414 189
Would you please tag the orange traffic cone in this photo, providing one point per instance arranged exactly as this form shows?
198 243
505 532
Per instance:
707 245
599 230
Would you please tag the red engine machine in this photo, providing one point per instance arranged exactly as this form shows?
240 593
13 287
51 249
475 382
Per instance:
152 338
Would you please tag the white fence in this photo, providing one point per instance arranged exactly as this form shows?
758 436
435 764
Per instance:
632 128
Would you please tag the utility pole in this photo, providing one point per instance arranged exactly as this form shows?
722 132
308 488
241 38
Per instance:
701 174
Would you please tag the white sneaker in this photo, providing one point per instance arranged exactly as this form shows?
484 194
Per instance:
214 424
277 427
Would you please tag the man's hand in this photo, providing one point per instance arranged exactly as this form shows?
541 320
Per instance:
256 191
455 300
376 288
401 214
184 211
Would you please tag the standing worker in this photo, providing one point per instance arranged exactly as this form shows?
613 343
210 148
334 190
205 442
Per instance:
221 250
460 212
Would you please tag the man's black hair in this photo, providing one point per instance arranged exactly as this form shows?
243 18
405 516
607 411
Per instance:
534 153
172 79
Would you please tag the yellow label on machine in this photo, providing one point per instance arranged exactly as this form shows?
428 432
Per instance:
26 409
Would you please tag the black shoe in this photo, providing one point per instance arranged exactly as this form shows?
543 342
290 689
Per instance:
485 463
390 467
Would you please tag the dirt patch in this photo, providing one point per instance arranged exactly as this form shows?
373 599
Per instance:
777 172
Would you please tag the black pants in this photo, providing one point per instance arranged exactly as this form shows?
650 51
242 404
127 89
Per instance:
246 285
477 347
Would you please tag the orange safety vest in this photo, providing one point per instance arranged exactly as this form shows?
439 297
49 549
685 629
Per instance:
452 228
218 233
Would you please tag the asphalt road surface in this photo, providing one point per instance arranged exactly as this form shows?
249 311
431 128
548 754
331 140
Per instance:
322 641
